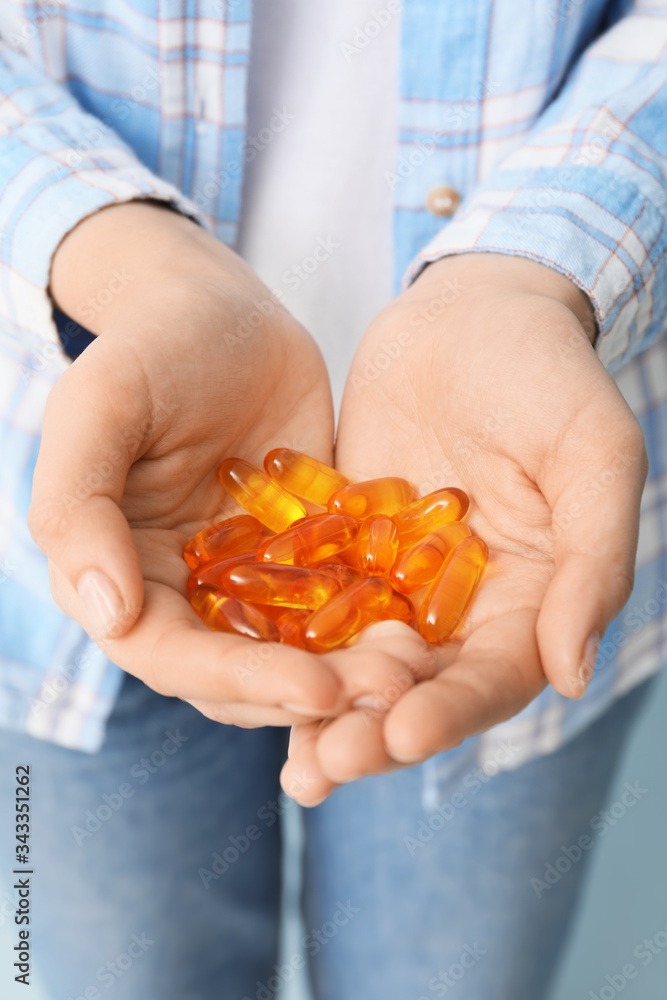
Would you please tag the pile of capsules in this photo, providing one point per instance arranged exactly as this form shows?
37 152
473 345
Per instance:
319 579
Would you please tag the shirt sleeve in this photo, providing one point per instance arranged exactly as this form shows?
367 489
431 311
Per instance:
58 165
586 192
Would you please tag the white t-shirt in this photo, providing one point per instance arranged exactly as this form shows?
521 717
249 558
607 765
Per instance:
316 218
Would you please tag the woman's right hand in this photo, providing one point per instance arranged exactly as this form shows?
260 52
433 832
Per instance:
194 360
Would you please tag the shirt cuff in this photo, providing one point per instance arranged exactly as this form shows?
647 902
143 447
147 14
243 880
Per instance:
39 214
595 227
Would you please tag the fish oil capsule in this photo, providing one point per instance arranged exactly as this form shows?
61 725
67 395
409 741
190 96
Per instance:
449 596
401 609
209 573
261 497
275 583
310 540
345 575
234 534
290 624
430 513
225 613
375 496
303 475
417 566
376 545
347 614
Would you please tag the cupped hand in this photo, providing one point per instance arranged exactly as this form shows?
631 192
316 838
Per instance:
482 376
194 361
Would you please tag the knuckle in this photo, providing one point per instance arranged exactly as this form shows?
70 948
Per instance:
624 583
641 453
58 588
634 437
47 523
155 677
218 712
630 440
405 746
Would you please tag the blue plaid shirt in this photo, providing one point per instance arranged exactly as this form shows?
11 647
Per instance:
549 117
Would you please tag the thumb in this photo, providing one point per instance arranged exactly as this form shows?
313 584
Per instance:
94 424
595 529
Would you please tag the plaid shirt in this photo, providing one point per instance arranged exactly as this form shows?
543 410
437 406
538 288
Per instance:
549 117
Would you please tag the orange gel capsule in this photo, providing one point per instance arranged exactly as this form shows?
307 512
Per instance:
430 513
303 475
310 540
400 608
377 545
417 566
348 557
261 497
225 613
345 575
375 496
449 596
346 614
274 583
290 624
209 573
234 534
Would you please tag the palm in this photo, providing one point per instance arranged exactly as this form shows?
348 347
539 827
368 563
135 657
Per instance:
225 396
502 397
173 490
167 417
438 430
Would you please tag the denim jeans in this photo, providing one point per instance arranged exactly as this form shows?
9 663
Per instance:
157 865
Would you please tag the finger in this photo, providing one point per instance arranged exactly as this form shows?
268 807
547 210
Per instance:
403 642
496 674
352 746
373 682
596 523
385 660
302 777
175 654
246 716
161 556
94 423
382 665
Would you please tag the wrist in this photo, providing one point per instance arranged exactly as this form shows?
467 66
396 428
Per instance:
106 263
484 273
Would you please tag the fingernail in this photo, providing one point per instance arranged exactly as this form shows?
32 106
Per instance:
372 702
101 602
301 709
587 665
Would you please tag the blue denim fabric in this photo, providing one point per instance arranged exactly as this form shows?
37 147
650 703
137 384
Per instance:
157 865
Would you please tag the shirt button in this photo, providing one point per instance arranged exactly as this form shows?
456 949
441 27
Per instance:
443 200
